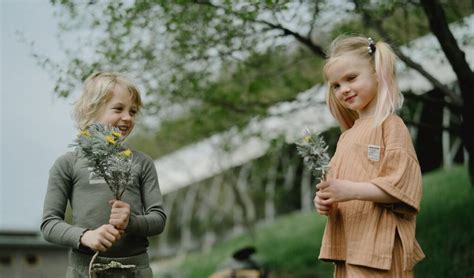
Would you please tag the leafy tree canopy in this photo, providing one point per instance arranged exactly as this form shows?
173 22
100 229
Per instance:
208 65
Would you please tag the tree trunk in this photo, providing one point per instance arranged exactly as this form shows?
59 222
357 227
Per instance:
465 76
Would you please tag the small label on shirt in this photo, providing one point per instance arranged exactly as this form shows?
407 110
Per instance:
373 152
93 178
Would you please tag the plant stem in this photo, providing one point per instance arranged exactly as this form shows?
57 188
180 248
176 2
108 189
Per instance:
92 262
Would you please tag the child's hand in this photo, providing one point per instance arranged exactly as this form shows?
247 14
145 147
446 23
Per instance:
120 214
320 207
334 191
101 238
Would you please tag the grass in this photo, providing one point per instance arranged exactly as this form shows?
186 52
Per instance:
445 226
290 245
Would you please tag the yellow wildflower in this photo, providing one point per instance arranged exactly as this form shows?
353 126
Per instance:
307 138
126 153
85 133
116 134
110 139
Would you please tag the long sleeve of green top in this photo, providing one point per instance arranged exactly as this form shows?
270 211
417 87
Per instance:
70 180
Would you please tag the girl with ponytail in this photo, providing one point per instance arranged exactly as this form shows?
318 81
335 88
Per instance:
373 189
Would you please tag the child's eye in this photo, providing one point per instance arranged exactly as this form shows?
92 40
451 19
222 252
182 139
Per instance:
133 112
335 86
351 77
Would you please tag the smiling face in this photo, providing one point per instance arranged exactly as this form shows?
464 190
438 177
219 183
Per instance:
120 110
354 83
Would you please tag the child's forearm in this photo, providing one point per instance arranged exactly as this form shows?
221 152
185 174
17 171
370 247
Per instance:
367 191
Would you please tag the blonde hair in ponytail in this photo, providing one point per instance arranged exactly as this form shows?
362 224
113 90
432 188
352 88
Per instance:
389 97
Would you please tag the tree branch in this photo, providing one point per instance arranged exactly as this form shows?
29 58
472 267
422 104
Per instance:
316 49
313 20
425 98
440 29
454 99
377 25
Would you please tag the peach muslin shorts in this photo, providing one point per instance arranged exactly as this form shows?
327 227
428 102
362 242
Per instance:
343 269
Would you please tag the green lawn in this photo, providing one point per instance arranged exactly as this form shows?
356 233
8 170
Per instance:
445 230
445 226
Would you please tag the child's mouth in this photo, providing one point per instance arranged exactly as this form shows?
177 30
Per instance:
350 99
123 129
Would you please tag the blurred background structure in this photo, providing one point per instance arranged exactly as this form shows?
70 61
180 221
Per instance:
25 254
230 85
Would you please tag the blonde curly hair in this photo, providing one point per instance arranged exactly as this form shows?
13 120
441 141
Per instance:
97 91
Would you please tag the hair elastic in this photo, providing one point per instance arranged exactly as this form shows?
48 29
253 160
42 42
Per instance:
371 46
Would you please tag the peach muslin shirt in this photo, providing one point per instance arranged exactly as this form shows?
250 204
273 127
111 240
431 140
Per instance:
363 232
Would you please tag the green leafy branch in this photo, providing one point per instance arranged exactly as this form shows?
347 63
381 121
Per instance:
314 151
102 147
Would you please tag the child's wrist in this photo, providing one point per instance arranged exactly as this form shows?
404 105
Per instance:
354 191
82 240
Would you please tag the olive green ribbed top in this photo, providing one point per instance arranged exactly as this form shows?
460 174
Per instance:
71 180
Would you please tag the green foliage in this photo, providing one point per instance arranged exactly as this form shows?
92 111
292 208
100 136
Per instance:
445 225
290 245
403 21
175 48
314 151
239 95
225 62
102 147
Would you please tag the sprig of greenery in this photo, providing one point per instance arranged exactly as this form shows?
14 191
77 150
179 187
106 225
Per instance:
102 147
313 149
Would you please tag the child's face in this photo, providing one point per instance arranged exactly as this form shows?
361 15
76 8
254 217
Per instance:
120 111
354 83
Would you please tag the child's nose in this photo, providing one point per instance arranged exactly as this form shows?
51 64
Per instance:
126 116
345 89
